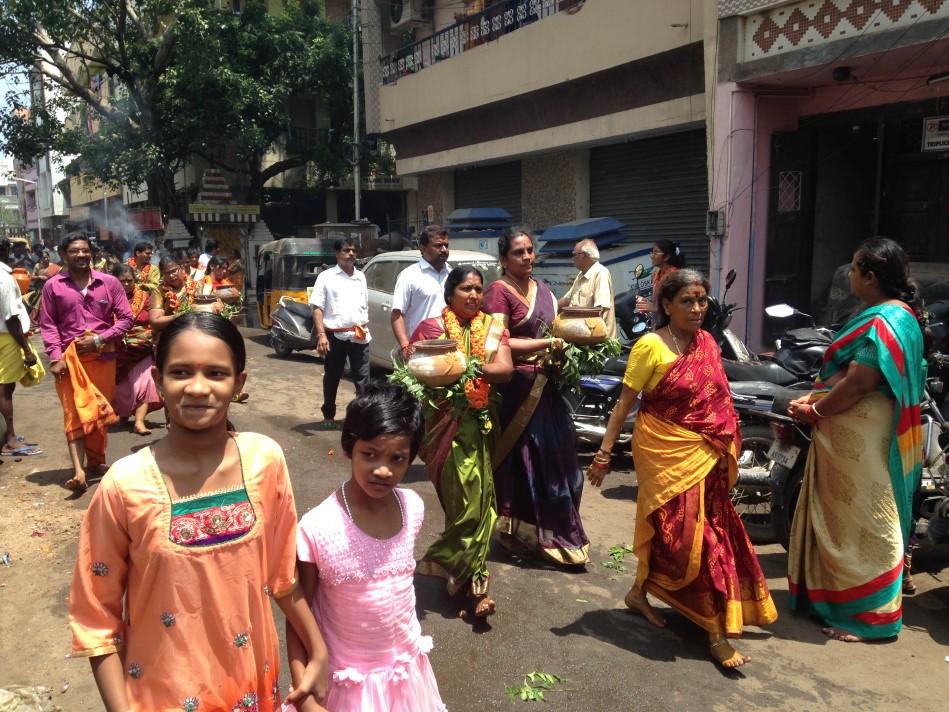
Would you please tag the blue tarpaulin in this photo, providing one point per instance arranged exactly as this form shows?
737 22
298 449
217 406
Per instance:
593 228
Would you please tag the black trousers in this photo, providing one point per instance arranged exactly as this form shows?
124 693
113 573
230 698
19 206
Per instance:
333 366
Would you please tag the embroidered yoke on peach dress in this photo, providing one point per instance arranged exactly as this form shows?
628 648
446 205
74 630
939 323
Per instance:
365 606
196 630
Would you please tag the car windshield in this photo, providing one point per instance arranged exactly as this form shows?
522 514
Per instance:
490 270
299 271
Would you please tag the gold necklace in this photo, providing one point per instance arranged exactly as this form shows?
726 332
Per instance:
516 286
674 339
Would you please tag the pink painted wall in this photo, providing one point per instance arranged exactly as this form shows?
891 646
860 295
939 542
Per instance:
743 125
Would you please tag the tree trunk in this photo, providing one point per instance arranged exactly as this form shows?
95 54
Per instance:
161 192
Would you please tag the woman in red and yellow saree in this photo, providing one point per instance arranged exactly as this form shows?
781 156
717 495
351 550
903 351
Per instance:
854 515
692 549
458 443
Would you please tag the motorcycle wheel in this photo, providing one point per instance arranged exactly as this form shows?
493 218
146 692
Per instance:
281 348
788 494
753 501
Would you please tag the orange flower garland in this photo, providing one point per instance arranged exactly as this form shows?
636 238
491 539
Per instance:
477 390
142 275
138 301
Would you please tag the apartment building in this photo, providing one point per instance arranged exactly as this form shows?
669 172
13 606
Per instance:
552 109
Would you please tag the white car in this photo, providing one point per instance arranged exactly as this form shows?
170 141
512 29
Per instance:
381 273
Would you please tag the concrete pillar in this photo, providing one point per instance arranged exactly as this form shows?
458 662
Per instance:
438 190
332 207
555 188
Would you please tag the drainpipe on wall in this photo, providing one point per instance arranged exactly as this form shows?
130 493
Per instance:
751 219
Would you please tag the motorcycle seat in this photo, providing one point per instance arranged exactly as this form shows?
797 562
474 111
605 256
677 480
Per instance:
614 367
764 371
298 308
762 389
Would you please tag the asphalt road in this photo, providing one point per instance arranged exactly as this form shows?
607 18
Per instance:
571 624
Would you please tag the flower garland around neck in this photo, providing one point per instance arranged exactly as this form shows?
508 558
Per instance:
142 274
180 301
471 392
477 390
137 303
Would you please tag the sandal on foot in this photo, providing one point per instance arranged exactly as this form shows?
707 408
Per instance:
24 451
484 607
22 440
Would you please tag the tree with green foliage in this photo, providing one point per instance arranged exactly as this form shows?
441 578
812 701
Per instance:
183 78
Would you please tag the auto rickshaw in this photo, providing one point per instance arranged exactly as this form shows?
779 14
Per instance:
288 268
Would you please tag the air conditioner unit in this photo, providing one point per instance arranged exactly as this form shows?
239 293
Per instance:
405 14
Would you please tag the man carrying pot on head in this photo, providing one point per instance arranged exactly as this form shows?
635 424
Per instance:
593 285
340 301
420 289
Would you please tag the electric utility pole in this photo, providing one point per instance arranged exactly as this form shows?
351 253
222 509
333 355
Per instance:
357 148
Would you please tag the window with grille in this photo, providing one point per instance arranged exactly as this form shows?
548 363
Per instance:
789 191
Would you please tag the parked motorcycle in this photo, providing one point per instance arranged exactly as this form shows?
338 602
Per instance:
292 327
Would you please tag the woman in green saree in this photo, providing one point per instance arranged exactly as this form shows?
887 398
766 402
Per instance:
854 514
458 442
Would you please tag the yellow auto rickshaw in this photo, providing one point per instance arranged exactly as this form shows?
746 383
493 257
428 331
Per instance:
288 268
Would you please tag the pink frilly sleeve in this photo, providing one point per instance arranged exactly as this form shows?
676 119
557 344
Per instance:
101 574
308 549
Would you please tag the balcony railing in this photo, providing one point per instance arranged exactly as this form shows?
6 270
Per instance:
500 19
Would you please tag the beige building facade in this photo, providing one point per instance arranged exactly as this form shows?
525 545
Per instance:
555 110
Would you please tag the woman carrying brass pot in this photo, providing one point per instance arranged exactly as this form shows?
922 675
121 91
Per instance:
458 444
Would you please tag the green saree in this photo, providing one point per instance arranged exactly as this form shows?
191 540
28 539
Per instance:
457 457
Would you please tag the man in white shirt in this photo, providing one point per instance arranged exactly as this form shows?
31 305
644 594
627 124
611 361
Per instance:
593 286
420 288
16 354
340 302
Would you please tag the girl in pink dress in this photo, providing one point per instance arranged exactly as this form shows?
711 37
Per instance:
356 557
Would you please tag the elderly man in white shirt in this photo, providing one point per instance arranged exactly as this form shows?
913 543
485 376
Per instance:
420 288
340 302
593 286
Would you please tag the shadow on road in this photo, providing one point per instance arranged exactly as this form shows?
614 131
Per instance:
415 473
627 492
918 613
431 597
57 478
680 639
317 426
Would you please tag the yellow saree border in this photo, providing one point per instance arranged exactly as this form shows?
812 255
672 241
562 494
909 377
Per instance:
519 422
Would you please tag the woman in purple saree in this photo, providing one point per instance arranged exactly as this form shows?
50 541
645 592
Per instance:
536 475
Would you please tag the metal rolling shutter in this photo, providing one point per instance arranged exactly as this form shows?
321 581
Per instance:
658 187
495 186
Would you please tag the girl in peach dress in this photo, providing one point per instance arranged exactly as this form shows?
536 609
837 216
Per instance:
356 555
183 546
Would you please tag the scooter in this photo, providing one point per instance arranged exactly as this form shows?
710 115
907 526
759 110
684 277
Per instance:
292 328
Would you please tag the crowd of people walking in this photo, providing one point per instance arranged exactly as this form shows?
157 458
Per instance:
212 507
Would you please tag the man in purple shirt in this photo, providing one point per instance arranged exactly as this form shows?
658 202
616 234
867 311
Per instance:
84 314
